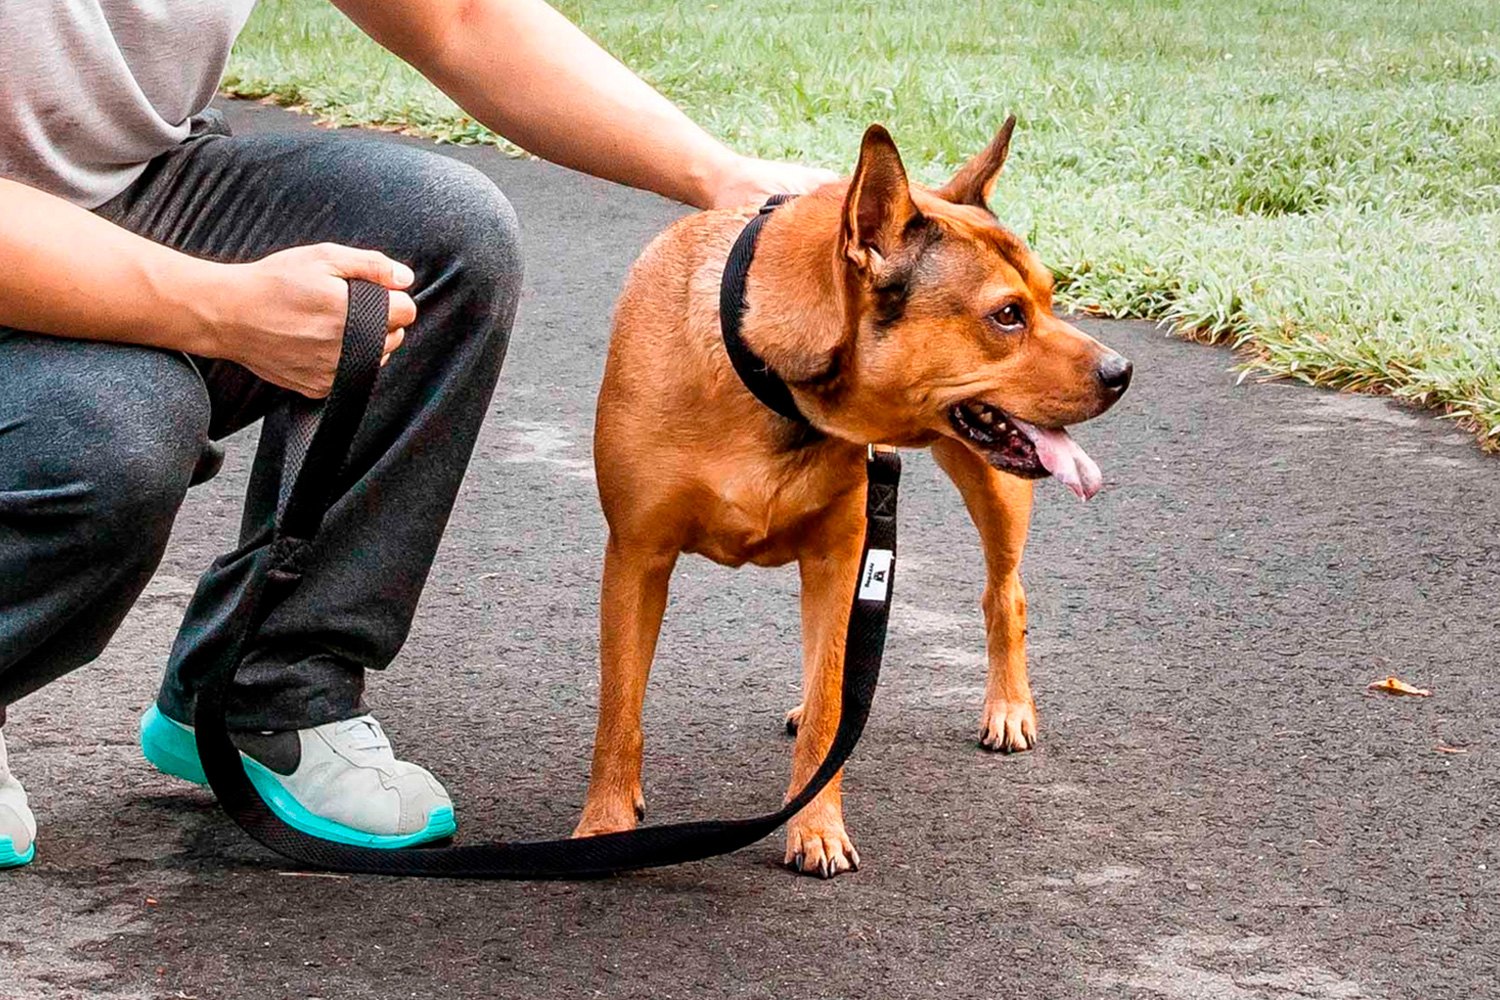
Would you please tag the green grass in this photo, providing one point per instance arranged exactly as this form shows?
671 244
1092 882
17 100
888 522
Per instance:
1317 183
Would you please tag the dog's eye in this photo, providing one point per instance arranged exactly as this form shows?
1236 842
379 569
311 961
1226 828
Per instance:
1009 317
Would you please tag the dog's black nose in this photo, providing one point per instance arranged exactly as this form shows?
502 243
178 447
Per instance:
1114 373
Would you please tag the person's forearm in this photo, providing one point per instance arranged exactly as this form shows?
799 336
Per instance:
526 72
65 271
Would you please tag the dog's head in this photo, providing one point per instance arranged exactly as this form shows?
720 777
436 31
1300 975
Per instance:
948 325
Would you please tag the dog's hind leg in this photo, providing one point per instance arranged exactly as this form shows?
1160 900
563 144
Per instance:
1000 506
816 842
633 600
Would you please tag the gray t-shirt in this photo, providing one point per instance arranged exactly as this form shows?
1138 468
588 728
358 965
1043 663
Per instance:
91 90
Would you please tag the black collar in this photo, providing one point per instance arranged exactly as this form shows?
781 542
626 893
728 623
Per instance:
752 369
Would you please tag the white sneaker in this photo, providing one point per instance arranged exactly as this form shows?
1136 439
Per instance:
339 781
17 824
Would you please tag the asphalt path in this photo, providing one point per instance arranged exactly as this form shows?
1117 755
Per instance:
1218 807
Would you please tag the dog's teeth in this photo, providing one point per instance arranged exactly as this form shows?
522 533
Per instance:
988 416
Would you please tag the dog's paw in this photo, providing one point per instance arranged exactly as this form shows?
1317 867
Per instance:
820 847
1009 726
794 721
611 816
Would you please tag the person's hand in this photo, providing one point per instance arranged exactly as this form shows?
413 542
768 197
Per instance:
747 181
283 316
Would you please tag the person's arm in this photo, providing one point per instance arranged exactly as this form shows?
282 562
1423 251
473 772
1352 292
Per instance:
65 271
524 70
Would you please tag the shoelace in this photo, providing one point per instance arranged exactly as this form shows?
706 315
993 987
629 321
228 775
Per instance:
364 734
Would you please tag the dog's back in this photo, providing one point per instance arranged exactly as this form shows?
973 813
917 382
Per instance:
664 343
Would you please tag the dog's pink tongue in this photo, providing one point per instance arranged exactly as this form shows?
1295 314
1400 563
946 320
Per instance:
1063 458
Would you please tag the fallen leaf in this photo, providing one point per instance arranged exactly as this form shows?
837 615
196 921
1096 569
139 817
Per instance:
1395 685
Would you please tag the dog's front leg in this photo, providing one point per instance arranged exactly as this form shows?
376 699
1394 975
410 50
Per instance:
632 603
1000 506
816 842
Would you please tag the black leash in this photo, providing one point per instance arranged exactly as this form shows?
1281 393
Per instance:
317 450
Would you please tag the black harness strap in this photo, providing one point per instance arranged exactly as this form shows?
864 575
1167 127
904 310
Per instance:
317 451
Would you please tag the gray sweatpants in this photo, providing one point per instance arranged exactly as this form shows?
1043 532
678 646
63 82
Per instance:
99 441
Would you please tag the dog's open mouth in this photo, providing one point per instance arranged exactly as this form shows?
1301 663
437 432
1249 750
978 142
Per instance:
1012 445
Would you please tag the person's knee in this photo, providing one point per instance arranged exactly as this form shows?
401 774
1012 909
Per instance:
476 244
130 487
138 487
114 452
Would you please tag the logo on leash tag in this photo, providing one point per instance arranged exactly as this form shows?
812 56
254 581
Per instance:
875 578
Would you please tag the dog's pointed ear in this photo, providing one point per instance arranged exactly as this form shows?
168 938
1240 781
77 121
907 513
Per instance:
878 208
975 180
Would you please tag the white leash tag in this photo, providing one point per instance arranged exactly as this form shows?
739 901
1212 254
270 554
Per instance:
875 578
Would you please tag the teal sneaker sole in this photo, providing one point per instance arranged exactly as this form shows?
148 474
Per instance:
171 748
8 856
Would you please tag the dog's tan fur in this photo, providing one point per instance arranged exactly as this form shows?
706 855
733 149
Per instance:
870 298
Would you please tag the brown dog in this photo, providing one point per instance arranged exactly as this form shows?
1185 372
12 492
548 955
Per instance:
895 314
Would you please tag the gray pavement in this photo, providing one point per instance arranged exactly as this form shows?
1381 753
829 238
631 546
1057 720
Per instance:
1218 808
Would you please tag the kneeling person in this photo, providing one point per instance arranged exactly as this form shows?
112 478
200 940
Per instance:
164 283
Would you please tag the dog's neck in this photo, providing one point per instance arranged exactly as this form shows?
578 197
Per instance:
796 322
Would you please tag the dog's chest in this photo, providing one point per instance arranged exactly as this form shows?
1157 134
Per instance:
769 516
